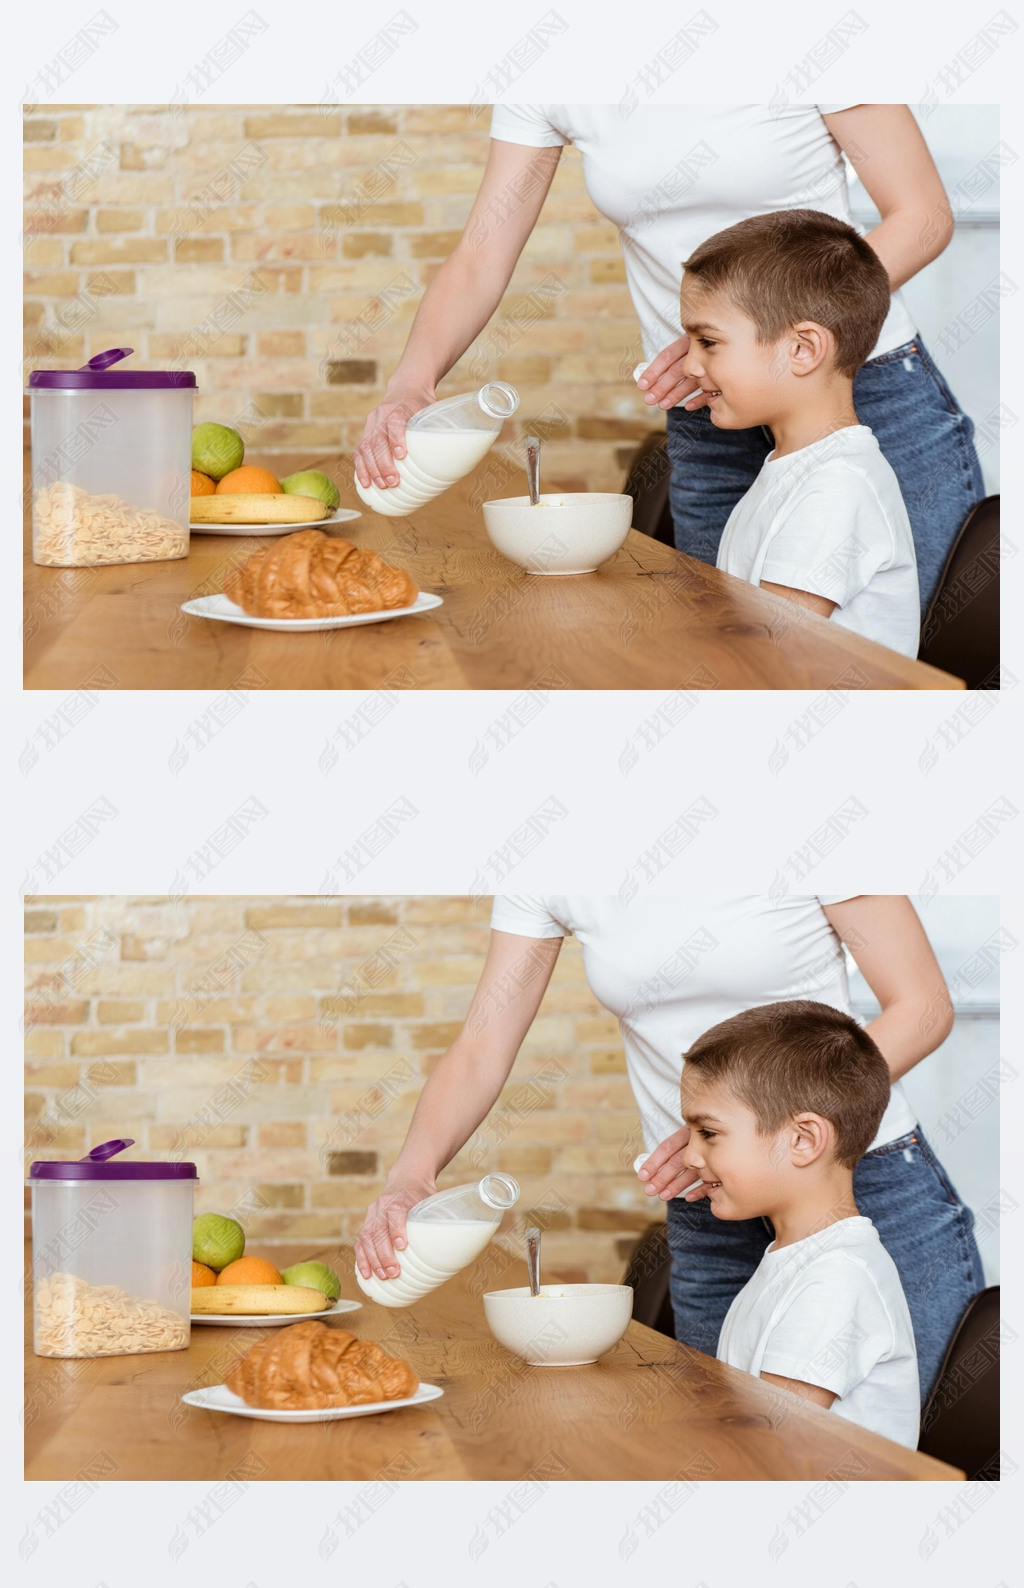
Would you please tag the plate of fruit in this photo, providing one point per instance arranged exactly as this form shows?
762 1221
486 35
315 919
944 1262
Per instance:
231 1290
231 497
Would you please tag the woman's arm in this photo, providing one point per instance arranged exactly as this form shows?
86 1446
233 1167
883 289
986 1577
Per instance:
462 1090
888 942
461 298
887 150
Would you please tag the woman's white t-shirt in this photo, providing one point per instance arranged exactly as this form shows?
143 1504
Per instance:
670 176
670 967
830 1310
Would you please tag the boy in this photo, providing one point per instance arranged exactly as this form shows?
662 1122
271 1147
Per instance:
781 311
781 1102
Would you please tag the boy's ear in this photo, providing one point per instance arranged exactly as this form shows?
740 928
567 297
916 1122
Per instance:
809 1137
810 346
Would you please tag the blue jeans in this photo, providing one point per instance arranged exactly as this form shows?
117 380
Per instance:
905 1192
918 423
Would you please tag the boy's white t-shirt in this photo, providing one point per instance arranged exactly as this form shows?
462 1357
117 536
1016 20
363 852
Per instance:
830 1310
830 519
670 966
670 176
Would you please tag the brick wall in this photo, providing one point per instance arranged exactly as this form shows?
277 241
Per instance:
281 1044
281 253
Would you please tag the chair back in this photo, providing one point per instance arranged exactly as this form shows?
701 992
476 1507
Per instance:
647 483
960 632
960 1423
647 1276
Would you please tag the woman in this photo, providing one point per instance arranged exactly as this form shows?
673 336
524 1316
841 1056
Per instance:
669 176
669 968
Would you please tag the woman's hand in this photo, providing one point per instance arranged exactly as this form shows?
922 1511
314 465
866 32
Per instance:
383 1231
664 382
383 437
665 1173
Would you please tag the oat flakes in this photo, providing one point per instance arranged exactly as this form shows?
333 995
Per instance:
73 1318
73 529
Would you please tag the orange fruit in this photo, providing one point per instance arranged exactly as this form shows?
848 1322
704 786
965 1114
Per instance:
250 1271
249 480
202 485
201 1275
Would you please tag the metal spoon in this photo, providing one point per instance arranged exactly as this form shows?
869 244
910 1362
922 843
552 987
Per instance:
533 476
533 1259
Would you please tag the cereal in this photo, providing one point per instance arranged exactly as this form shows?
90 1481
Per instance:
75 530
73 1318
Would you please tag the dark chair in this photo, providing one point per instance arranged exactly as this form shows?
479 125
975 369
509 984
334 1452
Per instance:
960 632
960 1423
647 1277
647 483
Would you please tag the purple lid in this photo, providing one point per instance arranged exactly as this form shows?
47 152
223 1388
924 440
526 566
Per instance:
98 374
96 1167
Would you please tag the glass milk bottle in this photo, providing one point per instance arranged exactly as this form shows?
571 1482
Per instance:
443 442
445 1232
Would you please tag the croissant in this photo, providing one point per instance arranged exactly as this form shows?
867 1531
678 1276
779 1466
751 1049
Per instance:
309 1367
313 575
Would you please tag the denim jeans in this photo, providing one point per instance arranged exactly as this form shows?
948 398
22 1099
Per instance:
922 1223
917 422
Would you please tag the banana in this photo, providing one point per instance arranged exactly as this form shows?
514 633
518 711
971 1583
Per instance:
258 1299
265 508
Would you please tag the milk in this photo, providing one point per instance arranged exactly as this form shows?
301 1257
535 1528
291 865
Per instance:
434 460
437 1249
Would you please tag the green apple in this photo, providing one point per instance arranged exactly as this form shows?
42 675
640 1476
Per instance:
216 450
311 482
316 1275
217 1241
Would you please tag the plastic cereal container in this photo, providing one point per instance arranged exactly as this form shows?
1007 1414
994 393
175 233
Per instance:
111 463
111 1255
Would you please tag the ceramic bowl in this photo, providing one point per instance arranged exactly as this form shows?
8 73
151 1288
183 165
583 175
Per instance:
565 1326
569 533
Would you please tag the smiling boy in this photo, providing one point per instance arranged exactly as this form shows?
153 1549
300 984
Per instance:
781 311
781 1102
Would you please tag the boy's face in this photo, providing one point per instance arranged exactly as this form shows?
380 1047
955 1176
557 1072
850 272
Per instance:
742 1170
745 381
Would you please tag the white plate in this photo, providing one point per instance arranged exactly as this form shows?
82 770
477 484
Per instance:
222 610
341 515
240 1320
218 1398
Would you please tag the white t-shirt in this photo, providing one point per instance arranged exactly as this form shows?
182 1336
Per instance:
830 1310
830 519
670 176
670 967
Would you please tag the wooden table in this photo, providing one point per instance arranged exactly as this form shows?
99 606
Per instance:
649 1409
648 619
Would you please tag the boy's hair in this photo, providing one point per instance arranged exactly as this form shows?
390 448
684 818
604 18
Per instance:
787 1058
794 265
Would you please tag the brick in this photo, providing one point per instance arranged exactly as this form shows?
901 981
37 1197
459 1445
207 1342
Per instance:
51 284
372 913
111 281
44 1044
608 1061
548 1218
108 1043
437 1034
352 1163
171 1138
613 429
399 1004
290 217
358 245
361 122
119 1011
296 124
265 918
440 118
75 1012
281 344
282 1133
198 250
107 1074
35 131
351 372
119 251
291 1008
41 921
368 1036
525 1160
59 1075
276 405
190 1041
120 220
280 1196
432 245
613 1218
